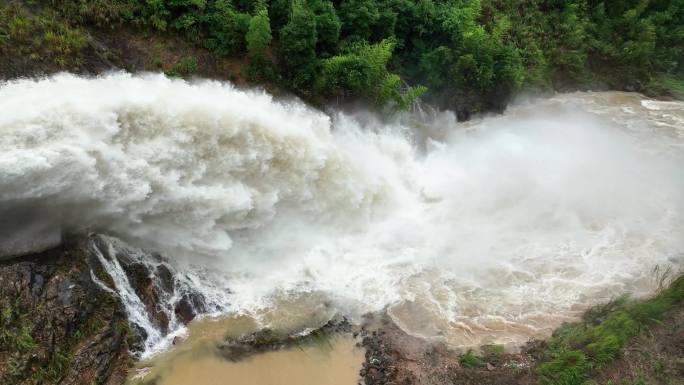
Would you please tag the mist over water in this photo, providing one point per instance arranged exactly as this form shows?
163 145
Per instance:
489 231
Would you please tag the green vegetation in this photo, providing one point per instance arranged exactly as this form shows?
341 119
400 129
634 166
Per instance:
15 329
15 337
362 71
20 340
490 354
258 40
576 349
493 351
41 36
591 351
471 360
667 86
55 369
471 55
184 67
471 52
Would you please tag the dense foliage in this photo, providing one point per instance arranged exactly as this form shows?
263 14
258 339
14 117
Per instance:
470 53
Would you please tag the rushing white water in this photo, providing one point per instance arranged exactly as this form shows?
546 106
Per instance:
132 302
170 286
493 230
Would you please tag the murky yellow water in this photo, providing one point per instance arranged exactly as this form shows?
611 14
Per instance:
197 360
335 364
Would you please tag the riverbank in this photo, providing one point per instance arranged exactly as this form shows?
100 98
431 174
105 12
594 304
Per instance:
627 342
89 338
630 342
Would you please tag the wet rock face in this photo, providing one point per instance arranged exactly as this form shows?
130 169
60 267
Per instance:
141 279
189 306
154 280
57 326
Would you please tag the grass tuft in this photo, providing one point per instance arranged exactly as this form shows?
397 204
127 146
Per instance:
667 85
184 67
471 360
42 36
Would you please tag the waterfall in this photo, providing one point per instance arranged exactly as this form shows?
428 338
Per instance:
177 297
132 303
485 231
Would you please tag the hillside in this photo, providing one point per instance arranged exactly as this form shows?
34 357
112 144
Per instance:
464 55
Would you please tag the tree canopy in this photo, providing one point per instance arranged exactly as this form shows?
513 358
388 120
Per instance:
477 53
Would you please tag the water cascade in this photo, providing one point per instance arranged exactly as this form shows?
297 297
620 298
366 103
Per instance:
488 231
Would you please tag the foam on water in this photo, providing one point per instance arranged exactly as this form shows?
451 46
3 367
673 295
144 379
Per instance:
489 231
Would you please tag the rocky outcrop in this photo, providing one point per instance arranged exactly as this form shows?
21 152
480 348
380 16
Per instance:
626 341
57 325
397 358
167 297
265 340
65 313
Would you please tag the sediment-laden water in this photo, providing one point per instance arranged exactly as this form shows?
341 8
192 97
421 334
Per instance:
490 231
330 361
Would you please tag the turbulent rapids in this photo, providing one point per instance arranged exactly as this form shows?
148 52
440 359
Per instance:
490 231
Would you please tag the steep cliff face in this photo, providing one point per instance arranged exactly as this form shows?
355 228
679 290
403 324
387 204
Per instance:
62 321
81 312
57 326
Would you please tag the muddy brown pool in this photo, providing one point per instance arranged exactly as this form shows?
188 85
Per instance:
197 360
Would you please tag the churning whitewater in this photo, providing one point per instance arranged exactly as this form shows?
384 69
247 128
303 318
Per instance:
490 231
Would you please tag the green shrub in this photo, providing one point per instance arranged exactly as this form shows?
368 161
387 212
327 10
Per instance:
226 28
362 71
567 368
666 86
258 36
470 360
184 67
261 69
298 47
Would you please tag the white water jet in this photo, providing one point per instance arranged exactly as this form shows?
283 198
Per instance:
134 306
493 230
170 287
